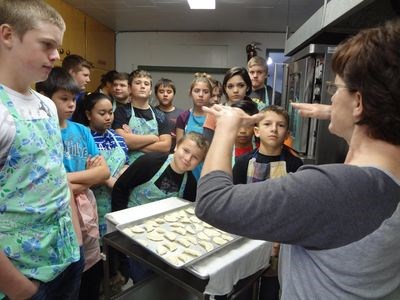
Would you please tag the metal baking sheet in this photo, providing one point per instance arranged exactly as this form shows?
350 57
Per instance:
183 224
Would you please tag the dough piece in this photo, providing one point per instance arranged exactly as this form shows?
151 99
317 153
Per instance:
180 230
227 237
170 236
190 229
151 223
218 240
161 249
203 236
186 220
159 220
142 242
173 259
176 224
183 242
182 214
206 225
211 232
171 218
137 229
170 246
190 210
198 227
183 257
191 239
154 236
192 252
148 227
206 245
160 230
194 219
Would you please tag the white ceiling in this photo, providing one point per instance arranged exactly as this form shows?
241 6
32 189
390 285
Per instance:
175 15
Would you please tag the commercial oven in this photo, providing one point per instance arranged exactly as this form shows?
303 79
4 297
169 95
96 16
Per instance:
306 76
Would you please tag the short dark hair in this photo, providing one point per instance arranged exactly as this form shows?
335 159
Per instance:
247 105
242 72
121 76
369 63
59 79
75 63
165 82
138 74
279 110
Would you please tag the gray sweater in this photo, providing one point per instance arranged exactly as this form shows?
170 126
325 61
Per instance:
339 226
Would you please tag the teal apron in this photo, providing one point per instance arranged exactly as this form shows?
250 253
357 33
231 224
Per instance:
149 192
36 231
195 124
115 159
142 127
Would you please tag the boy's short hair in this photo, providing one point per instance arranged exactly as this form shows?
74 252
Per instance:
257 61
138 74
198 138
166 83
59 79
121 76
108 77
75 63
279 110
24 15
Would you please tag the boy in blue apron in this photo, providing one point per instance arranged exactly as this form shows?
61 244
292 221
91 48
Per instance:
271 160
143 128
39 250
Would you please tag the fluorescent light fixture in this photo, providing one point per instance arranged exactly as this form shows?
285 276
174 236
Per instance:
201 4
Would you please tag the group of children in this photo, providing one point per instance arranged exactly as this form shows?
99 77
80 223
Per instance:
117 152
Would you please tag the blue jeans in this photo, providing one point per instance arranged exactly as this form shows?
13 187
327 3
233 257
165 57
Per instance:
66 285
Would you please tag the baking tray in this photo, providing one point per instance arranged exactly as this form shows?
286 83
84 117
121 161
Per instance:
159 231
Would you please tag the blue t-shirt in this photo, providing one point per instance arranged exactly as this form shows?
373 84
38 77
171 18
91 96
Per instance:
78 146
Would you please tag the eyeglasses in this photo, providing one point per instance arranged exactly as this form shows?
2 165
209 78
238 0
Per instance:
331 87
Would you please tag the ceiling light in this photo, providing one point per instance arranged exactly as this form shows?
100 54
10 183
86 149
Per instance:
201 4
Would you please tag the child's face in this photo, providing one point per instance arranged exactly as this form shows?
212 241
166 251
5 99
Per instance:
272 129
35 53
82 77
187 156
257 75
101 116
215 96
141 88
244 136
165 95
236 88
65 103
120 90
200 94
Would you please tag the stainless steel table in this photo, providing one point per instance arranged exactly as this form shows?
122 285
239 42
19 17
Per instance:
182 278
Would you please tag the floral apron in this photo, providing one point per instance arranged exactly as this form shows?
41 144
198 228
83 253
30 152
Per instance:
115 159
36 231
142 127
149 192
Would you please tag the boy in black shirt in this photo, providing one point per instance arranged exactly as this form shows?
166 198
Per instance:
156 176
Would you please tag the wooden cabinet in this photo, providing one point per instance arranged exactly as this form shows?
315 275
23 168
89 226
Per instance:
100 45
74 41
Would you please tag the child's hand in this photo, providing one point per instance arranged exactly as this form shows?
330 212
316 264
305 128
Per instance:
126 128
92 162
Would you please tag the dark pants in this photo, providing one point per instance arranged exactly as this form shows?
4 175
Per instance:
91 280
66 285
269 288
138 271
